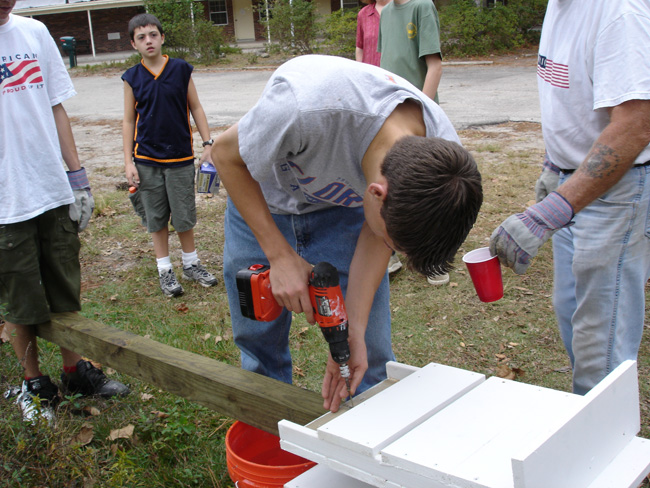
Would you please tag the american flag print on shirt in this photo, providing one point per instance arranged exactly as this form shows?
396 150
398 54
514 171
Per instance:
554 73
20 73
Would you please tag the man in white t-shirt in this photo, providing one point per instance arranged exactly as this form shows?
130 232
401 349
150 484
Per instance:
42 210
339 161
594 85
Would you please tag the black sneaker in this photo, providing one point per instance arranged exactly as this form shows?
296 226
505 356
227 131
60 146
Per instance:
89 380
36 398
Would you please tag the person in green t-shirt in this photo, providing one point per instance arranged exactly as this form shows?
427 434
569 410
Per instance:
409 42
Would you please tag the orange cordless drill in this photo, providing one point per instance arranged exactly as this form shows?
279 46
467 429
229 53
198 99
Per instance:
257 303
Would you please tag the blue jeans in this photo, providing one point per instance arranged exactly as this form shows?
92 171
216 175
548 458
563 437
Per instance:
602 264
326 235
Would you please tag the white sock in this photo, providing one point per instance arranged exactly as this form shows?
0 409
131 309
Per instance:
164 264
189 258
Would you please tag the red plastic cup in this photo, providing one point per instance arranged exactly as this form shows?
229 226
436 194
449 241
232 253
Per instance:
485 271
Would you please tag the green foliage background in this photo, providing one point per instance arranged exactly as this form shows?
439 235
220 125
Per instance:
188 34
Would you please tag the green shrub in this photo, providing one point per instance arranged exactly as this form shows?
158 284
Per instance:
341 33
468 30
188 34
293 24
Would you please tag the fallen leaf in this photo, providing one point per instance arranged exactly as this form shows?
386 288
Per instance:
160 415
94 411
182 308
218 339
123 433
453 284
505 372
298 371
207 336
4 336
146 396
85 435
501 357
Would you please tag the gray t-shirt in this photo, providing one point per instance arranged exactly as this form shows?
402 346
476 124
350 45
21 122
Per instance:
305 138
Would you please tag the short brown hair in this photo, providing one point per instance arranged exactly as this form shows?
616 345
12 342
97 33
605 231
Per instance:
143 20
433 198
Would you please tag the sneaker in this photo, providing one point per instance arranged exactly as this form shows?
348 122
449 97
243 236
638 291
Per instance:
436 280
36 398
198 273
169 284
88 380
394 264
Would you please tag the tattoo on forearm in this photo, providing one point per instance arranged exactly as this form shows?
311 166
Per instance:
603 162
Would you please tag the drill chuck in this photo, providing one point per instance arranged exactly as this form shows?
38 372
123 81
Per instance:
329 310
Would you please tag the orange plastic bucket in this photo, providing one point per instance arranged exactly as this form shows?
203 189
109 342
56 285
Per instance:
256 460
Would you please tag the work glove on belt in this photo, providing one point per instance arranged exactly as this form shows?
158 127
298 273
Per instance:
84 203
547 181
517 240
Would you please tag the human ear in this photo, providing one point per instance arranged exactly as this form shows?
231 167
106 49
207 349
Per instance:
378 190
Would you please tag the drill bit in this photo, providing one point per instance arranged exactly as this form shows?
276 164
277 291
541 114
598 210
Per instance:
345 373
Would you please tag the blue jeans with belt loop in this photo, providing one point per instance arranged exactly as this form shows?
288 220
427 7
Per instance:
325 235
601 265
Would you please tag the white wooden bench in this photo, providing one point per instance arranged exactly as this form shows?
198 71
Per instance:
444 427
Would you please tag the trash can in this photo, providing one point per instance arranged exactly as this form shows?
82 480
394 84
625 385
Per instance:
69 45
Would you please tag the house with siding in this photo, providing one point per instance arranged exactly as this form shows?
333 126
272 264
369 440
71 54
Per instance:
100 26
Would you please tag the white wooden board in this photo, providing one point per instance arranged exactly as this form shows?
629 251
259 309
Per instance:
475 438
628 469
606 423
323 477
378 421
498 434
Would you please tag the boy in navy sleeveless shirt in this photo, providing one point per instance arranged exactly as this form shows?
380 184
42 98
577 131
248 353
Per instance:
159 96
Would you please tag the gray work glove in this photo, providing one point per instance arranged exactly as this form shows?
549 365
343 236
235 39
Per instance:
547 181
84 203
517 240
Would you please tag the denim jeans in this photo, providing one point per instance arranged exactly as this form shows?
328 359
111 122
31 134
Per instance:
601 267
326 235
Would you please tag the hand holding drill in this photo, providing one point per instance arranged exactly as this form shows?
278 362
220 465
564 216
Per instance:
257 302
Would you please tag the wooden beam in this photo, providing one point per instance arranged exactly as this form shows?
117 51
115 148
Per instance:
250 397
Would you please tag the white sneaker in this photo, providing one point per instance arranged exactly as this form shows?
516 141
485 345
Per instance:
437 280
394 264
36 399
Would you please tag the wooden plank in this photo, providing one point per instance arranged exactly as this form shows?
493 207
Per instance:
323 477
304 442
589 440
380 420
629 468
474 438
229 390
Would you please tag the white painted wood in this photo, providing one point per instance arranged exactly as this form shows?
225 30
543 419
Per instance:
474 439
628 469
399 371
323 477
498 434
380 420
304 442
606 423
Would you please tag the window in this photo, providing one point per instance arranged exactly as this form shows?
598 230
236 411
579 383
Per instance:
218 12
350 3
